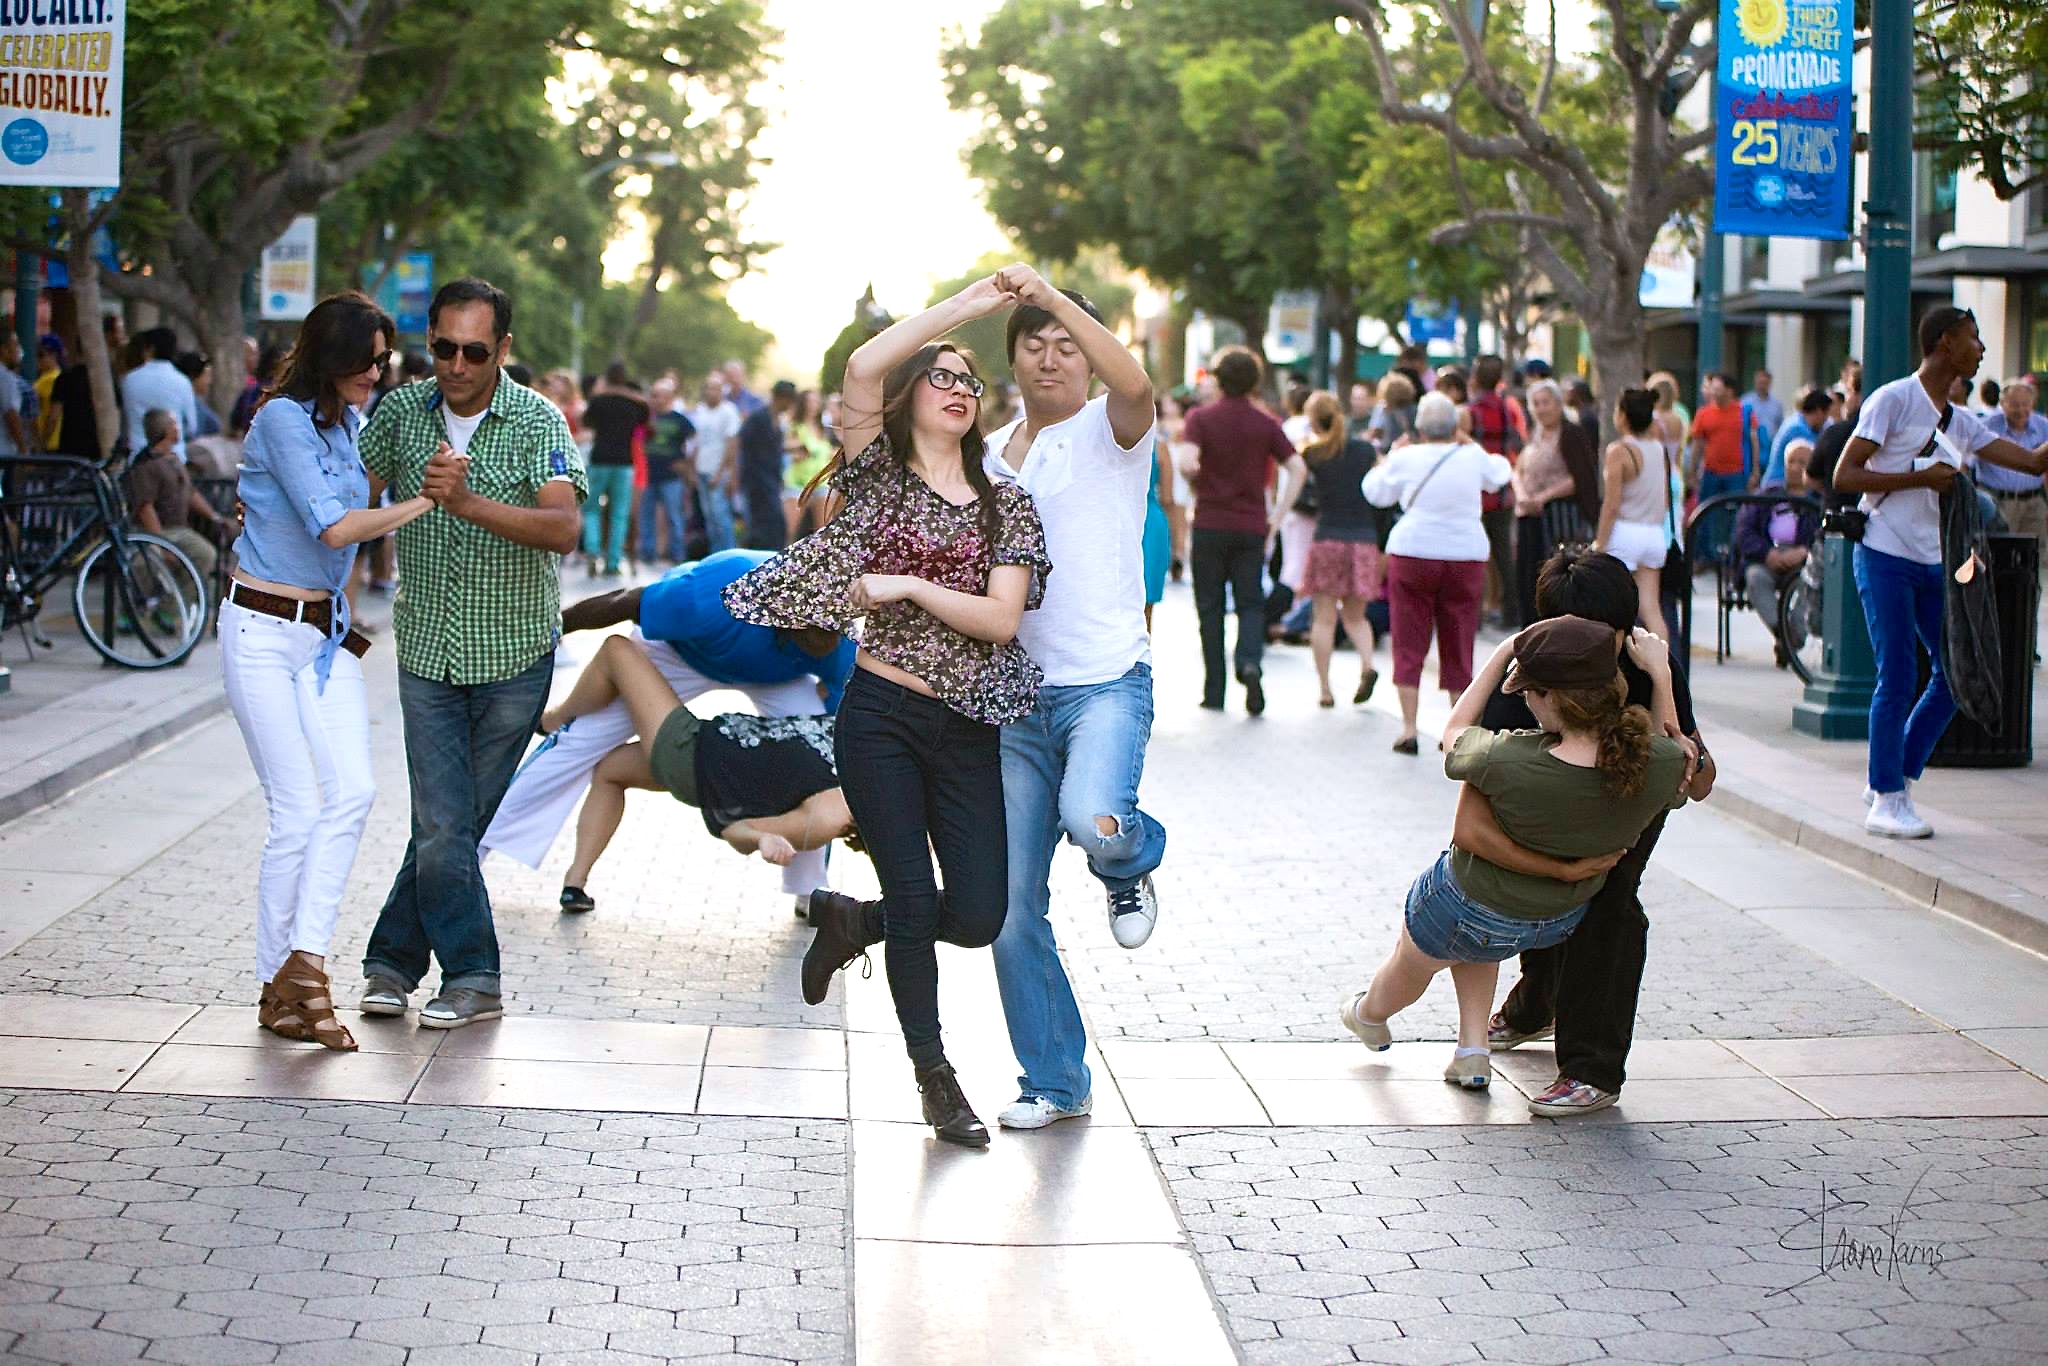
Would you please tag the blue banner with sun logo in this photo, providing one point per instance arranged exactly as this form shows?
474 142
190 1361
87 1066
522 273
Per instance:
1783 119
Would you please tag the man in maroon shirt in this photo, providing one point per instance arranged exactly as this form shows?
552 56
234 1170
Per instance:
1239 446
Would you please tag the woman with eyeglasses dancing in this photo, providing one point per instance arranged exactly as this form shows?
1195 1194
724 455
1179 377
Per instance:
941 563
290 659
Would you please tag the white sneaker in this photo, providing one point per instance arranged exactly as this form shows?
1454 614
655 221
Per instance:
1036 1112
1378 1037
1893 817
1133 912
1870 794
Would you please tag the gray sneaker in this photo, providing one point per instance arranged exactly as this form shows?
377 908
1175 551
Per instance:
459 1006
382 996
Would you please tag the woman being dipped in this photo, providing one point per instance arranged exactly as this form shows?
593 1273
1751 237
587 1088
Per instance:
942 564
289 659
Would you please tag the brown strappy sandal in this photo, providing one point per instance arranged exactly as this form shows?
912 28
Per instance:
297 1004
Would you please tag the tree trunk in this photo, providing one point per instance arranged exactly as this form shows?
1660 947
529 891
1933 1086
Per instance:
220 336
1618 345
1347 350
92 340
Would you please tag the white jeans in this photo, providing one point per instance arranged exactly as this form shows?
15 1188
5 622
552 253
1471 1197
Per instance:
311 749
554 777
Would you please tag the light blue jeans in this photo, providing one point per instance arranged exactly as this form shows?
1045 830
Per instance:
1077 757
714 504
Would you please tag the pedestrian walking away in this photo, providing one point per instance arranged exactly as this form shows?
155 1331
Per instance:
1345 571
476 623
680 623
1584 990
1237 447
1638 522
1908 444
1583 785
1071 768
1437 553
941 563
291 663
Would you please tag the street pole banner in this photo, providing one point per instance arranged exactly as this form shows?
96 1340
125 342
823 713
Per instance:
285 286
60 92
1783 119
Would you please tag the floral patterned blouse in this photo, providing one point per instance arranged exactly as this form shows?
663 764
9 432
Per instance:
892 522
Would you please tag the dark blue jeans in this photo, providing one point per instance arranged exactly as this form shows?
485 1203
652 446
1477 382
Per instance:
462 744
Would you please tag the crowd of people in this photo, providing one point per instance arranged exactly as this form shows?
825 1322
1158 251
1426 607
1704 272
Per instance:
937 596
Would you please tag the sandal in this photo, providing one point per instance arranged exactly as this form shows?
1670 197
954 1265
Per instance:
297 1005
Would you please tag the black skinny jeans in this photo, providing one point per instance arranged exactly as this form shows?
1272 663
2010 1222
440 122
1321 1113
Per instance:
1500 546
1233 558
1588 984
921 778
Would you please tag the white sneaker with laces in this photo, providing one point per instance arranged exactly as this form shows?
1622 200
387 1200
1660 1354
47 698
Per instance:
1036 1112
1870 794
1893 817
1133 912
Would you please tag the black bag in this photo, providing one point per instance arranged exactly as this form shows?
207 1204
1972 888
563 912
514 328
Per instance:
1969 622
1675 580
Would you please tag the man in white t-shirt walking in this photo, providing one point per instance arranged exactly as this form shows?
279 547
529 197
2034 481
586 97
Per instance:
717 420
1909 442
1071 768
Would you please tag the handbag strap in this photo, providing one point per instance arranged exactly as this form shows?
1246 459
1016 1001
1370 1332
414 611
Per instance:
1670 509
1448 453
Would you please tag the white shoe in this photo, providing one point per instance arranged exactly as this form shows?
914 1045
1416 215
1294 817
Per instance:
1377 1037
1133 912
1893 817
1870 794
1036 1112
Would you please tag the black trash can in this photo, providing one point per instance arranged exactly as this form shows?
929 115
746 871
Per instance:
2015 589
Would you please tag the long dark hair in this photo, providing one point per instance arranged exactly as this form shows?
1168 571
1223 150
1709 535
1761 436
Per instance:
899 388
337 339
1621 731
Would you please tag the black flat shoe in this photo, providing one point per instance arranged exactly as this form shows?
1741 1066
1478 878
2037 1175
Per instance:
946 1109
1365 687
575 901
1254 692
1408 746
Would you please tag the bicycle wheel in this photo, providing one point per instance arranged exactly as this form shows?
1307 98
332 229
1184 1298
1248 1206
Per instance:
142 609
1799 624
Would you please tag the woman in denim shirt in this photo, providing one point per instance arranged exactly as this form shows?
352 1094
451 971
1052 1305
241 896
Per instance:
289 658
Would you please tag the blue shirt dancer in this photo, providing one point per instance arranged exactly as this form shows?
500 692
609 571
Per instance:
681 623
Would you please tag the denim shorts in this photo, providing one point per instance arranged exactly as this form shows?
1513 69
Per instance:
1445 924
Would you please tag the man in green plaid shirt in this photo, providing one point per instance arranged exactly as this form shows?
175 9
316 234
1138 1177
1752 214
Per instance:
477 618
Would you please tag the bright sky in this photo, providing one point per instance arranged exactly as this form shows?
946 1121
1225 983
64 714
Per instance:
862 179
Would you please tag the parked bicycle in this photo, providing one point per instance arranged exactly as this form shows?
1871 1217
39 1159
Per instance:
138 599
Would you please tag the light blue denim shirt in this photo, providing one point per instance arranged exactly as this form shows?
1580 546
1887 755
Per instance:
297 480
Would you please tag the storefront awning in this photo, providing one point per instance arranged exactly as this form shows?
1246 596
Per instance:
1786 301
1990 263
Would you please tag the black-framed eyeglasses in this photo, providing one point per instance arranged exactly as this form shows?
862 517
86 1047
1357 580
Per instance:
476 353
939 377
379 361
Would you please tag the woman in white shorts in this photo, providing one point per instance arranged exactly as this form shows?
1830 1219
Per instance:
1636 522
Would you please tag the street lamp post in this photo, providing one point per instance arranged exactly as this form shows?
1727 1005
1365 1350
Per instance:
1837 702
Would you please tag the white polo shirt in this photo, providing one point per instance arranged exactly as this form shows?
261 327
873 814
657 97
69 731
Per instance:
1900 418
1090 495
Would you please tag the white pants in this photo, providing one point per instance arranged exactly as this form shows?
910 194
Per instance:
1297 539
311 750
555 776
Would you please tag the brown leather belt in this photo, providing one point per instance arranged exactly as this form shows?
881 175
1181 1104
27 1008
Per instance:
318 615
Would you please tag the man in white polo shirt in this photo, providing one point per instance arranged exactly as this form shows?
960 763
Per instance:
1909 442
1071 768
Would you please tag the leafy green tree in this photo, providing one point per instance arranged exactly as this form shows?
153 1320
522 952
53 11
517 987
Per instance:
1983 101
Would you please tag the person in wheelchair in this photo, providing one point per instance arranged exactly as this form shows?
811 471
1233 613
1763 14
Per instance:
1774 539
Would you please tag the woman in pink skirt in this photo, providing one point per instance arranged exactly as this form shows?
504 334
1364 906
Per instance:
1344 571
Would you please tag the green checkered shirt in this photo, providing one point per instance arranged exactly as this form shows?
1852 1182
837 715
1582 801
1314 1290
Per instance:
473 607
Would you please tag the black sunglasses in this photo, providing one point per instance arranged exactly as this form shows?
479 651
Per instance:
378 361
476 353
941 378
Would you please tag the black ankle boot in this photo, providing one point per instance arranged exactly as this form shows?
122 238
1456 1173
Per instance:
946 1108
841 937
